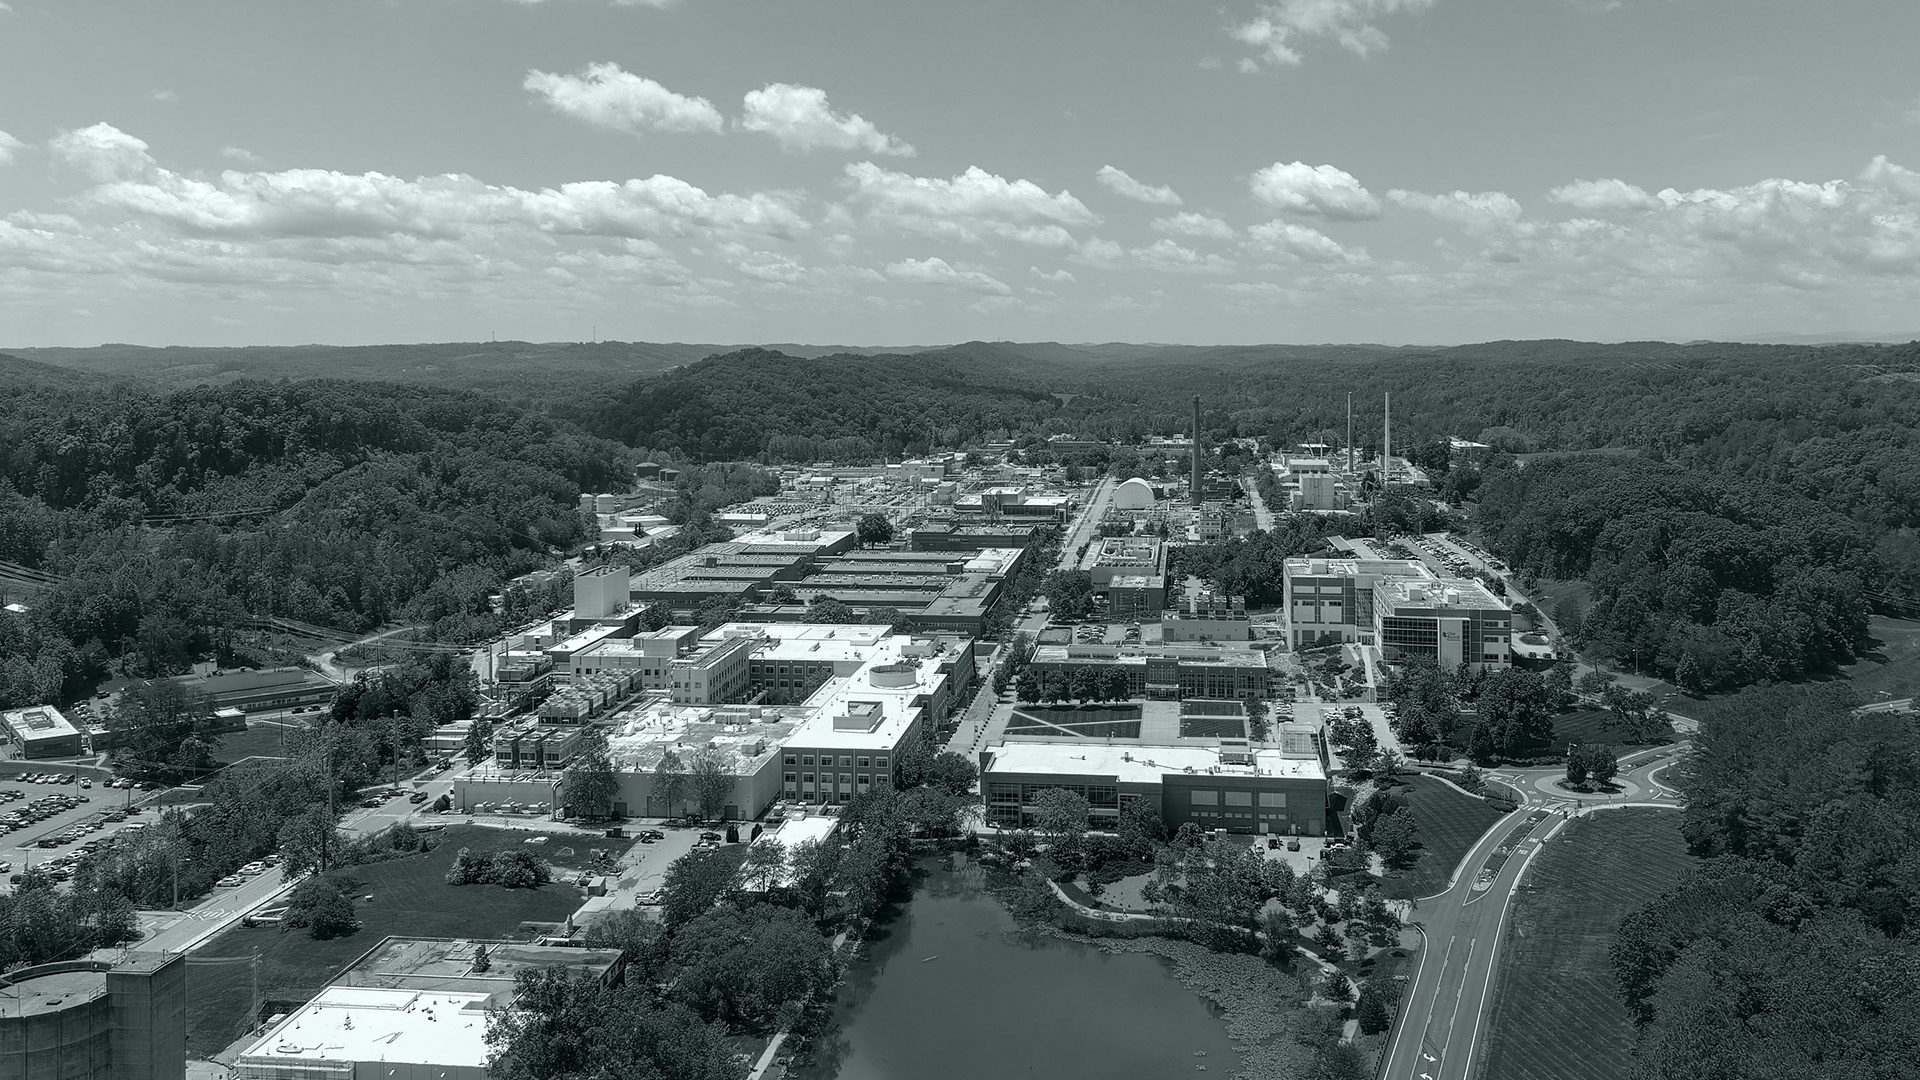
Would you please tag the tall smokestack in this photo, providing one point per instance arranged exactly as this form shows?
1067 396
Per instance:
1349 432
1386 442
1196 450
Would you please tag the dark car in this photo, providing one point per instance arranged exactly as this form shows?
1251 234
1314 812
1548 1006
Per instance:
713 836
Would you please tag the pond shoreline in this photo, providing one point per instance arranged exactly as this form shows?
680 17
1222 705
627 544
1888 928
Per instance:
1262 1005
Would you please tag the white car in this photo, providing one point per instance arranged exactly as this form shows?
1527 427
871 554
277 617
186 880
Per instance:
253 868
230 881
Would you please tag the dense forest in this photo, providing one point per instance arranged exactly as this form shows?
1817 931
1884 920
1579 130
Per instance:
760 404
162 526
1792 952
1715 579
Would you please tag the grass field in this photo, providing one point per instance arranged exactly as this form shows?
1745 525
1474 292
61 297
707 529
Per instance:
1556 1015
1449 824
261 740
1589 726
410 897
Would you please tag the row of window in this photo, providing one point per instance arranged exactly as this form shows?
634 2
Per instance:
1205 797
877 761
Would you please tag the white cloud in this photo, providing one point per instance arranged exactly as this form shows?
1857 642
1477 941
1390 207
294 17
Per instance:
1486 209
1166 256
103 152
1195 225
606 96
800 119
1314 189
936 271
974 207
1298 242
1058 277
1280 29
1117 181
9 147
319 203
1602 196
240 154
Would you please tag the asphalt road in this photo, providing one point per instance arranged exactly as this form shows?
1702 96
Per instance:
1439 1027
1085 526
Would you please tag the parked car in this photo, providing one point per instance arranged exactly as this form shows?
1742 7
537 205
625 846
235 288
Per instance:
230 881
653 897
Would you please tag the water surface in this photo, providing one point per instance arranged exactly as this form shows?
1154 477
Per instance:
994 1003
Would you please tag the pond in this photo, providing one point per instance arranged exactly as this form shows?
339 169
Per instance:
951 989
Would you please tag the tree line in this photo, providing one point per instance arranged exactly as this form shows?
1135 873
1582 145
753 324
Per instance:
1790 952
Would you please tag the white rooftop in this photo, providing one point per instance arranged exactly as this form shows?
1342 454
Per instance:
1145 763
366 1024
39 722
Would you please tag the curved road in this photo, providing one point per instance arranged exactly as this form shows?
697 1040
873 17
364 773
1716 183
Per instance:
1437 1030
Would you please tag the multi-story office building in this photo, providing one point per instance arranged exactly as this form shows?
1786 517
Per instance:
1330 601
1168 671
1453 621
1130 556
1216 784
714 674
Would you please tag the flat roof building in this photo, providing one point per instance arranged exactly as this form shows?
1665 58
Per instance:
1132 556
1455 622
1230 784
268 688
42 732
350 1032
1167 671
1330 601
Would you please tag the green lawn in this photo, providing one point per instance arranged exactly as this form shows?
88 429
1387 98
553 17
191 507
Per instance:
263 740
1589 726
1556 1014
1449 823
409 897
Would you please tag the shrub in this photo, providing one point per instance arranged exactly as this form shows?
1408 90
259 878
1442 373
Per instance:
319 905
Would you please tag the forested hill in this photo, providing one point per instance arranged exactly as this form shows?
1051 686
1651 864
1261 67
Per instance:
167 520
760 403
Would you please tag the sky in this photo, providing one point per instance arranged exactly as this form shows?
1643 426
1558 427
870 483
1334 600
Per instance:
875 172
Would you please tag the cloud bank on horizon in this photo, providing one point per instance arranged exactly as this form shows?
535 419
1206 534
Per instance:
647 204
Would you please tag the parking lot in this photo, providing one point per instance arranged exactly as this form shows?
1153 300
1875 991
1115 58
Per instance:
51 824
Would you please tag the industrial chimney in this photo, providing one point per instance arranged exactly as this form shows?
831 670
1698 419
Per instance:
1349 433
1196 451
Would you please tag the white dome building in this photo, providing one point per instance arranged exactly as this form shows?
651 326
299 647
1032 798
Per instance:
1134 494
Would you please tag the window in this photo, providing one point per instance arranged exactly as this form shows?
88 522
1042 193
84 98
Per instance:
846 762
1273 798
846 781
1239 798
807 760
1204 798
865 782
791 760
807 779
789 780
880 761
866 763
